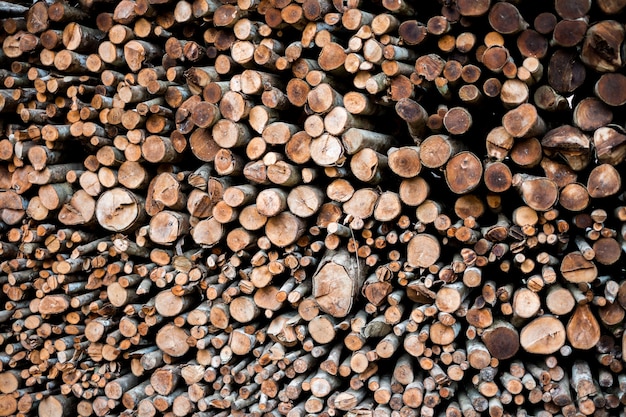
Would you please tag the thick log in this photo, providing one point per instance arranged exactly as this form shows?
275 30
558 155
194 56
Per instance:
604 180
544 335
583 329
172 340
423 251
602 41
463 172
137 52
608 89
501 339
523 122
568 33
575 268
565 72
538 193
119 210
336 282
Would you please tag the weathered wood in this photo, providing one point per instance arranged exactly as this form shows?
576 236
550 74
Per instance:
523 122
119 210
336 282
463 172
565 72
501 339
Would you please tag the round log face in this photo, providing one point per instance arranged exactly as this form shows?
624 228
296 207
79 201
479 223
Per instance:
284 229
574 197
207 232
118 210
575 268
172 340
405 162
607 250
413 191
333 297
322 330
435 151
502 342
610 89
326 150
50 406
168 304
498 177
117 294
539 193
166 227
423 251
304 201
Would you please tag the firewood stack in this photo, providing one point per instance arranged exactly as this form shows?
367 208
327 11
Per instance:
317 207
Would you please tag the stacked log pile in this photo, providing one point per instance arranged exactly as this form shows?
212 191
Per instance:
312 207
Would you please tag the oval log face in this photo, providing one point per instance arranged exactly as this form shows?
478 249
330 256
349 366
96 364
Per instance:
336 282
8 405
540 194
583 329
331 294
544 335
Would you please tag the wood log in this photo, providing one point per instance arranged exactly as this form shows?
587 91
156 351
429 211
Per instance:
119 210
523 122
463 172
501 339
608 144
544 335
604 34
583 330
336 282
603 181
565 72
538 193
423 251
